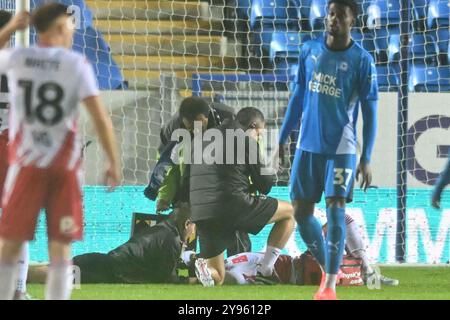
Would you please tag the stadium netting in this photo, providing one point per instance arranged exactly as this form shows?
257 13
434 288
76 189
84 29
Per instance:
149 55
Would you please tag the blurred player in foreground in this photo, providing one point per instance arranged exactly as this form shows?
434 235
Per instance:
47 82
21 289
335 76
443 181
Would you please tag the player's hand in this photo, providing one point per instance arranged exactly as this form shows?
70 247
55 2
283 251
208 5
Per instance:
20 21
112 177
436 201
366 175
162 205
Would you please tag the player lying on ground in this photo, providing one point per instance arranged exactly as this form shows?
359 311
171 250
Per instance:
443 181
175 186
335 76
48 81
150 256
243 268
21 287
222 201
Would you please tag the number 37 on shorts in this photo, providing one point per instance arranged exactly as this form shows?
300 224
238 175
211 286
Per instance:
340 176
314 174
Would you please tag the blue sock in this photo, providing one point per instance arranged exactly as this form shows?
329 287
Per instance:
311 231
335 239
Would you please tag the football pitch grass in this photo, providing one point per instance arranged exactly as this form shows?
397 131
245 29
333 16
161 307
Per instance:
416 283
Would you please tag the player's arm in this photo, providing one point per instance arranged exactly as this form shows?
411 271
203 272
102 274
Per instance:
88 93
368 95
295 108
104 128
261 176
442 182
168 189
293 114
19 22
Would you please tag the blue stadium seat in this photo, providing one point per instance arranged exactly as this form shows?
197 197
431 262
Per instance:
422 49
420 8
383 19
383 13
269 16
91 44
85 14
243 8
362 6
438 14
288 68
293 70
279 12
438 22
387 78
286 44
365 40
448 54
317 14
303 7
426 79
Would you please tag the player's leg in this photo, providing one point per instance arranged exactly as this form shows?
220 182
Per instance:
217 267
214 237
284 224
307 186
23 261
64 225
59 275
18 221
310 230
340 170
97 268
21 288
258 212
357 248
335 239
9 267
232 278
355 244
7 272
3 160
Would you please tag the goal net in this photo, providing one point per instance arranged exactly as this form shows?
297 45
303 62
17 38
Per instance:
149 55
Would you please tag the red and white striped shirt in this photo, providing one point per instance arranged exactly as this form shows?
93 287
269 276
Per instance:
46 86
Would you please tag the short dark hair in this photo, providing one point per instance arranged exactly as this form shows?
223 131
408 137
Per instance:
191 107
5 16
44 16
349 3
247 116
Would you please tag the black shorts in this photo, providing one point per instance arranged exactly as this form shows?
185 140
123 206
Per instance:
217 234
96 268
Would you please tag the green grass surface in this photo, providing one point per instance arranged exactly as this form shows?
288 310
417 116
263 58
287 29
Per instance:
415 283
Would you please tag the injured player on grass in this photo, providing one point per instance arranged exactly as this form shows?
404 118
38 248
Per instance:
304 270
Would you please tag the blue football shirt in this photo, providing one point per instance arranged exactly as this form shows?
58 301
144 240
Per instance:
332 84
